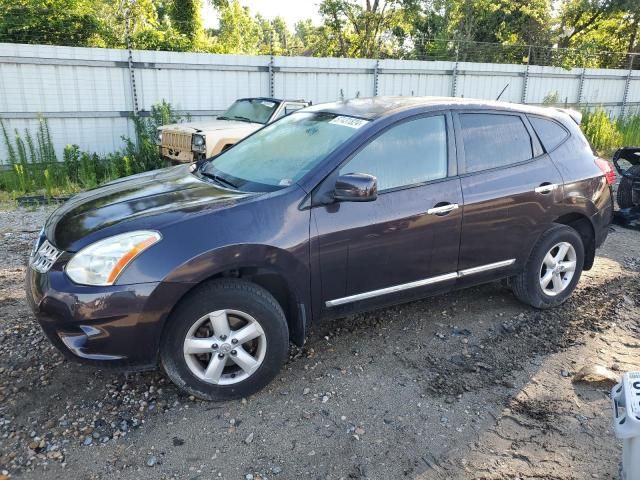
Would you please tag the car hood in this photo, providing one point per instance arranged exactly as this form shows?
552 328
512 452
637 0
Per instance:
210 126
145 201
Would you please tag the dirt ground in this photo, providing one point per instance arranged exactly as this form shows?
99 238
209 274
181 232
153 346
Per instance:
468 385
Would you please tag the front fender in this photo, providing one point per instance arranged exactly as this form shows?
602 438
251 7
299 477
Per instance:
233 257
254 259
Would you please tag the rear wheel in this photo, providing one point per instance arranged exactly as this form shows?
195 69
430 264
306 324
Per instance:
625 195
227 340
553 269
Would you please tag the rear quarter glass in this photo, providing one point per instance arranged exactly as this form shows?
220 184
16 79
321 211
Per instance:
550 133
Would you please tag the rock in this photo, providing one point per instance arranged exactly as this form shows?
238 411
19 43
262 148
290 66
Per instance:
151 461
359 431
177 441
248 476
249 438
564 373
596 374
306 391
87 441
276 470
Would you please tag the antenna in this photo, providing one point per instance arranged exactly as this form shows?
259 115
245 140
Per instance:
505 87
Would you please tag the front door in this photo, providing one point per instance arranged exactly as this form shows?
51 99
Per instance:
403 244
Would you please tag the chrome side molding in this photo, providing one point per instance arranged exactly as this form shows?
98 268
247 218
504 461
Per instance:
485 268
419 283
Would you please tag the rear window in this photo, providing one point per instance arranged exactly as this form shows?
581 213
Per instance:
494 140
550 132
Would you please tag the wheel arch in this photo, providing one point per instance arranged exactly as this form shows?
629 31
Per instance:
582 224
262 265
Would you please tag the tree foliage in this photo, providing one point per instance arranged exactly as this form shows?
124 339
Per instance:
483 30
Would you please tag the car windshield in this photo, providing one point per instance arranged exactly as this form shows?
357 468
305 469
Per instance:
251 110
283 152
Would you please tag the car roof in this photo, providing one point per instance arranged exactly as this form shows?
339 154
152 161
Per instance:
372 108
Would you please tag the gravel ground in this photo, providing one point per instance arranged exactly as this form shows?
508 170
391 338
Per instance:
467 385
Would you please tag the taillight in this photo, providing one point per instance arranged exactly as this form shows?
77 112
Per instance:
608 171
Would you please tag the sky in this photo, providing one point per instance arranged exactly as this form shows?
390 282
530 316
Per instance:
290 10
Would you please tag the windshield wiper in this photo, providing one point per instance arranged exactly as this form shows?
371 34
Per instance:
243 119
218 179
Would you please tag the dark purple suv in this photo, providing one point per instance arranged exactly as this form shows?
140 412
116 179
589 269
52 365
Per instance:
212 268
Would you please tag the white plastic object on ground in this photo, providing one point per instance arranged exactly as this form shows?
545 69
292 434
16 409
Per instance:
625 397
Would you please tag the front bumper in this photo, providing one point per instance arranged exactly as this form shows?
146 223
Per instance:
117 326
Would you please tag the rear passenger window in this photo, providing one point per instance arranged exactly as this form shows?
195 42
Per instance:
550 133
492 140
407 154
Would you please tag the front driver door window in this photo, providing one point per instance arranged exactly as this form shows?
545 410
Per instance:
393 241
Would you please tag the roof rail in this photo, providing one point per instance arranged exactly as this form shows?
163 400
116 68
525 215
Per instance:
574 114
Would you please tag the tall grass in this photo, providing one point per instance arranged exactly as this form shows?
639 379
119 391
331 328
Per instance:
33 166
601 131
629 128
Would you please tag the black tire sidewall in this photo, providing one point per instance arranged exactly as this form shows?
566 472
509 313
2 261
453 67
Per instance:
236 295
551 238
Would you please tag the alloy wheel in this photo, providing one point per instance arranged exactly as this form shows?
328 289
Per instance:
558 268
225 347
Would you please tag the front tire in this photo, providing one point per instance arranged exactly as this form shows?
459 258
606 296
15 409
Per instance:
553 269
226 340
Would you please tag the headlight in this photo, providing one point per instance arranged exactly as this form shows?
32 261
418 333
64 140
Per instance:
100 263
198 142
158 137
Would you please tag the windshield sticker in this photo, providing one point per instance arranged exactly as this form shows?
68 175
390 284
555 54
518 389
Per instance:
267 104
285 182
349 122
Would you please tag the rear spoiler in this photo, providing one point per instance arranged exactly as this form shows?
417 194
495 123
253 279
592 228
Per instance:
574 114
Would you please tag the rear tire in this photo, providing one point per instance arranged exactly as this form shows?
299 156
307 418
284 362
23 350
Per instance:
625 188
226 340
552 270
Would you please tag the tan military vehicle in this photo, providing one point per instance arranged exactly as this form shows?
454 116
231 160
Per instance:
192 141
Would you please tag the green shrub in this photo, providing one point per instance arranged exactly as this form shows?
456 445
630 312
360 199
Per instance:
629 128
601 131
34 166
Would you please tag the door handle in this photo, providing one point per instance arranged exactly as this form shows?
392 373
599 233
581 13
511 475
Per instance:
444 209
546 188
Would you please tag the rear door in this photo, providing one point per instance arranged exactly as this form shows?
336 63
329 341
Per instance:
511 190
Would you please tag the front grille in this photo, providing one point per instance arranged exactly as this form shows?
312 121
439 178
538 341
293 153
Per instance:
45 257
177 140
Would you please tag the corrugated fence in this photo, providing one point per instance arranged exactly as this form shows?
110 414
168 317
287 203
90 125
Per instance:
88 94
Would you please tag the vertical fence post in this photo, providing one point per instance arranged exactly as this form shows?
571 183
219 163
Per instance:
525 83
376 72
625 97
581 85
272 87
132 73
454 75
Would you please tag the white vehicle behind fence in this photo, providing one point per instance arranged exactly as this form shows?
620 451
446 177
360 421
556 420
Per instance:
193 141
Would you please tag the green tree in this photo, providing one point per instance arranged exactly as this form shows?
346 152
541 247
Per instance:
238 32
187 19
55 22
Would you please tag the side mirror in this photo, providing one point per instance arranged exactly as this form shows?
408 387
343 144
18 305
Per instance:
356 187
